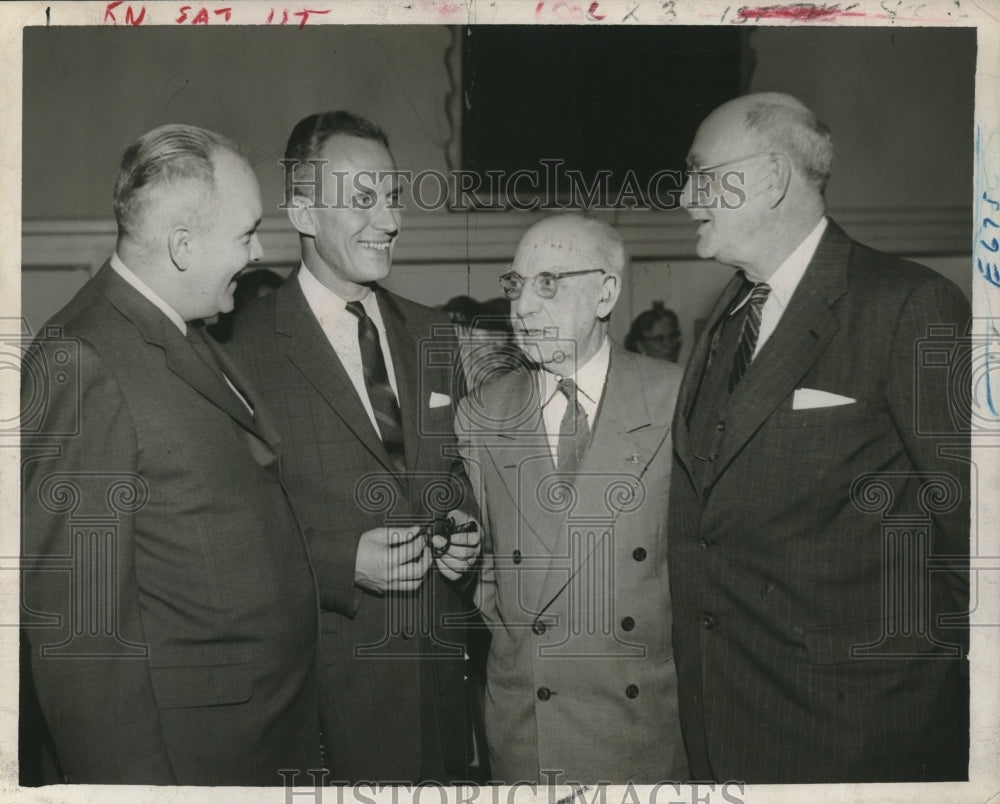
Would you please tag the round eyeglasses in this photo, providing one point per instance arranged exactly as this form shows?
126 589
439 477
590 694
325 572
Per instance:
545 284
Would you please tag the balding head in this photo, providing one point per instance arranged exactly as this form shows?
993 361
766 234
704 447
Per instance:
564 330
580 236
188 206
169 167
758 168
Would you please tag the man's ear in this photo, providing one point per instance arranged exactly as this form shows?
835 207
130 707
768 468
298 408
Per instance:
300 213
779 178
611 287
179 244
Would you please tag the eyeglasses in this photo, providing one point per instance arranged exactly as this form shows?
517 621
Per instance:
710 170
545 284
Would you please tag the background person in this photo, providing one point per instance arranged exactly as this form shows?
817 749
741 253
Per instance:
655 332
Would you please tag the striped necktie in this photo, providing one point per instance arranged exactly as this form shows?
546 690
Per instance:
380 394
748 338
574 432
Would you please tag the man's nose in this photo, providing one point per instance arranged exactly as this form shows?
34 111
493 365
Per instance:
386 218
256 249
528 302
687 191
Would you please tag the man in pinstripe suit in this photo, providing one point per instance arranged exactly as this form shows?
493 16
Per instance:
362 401
813 641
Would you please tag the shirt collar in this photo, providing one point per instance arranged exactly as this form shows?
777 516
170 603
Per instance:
785 280
147 292
589 379
324 301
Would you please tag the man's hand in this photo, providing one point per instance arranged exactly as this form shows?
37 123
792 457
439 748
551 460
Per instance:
462 549
392 560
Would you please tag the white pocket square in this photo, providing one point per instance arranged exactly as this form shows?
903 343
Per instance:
439 400
805 398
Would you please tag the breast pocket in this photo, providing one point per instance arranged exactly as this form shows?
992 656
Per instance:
821 417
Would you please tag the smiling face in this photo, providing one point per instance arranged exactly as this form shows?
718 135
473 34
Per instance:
564 332
730 215
223 240
350 243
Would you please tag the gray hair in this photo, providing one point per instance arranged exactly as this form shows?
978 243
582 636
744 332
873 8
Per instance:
789 127
168 154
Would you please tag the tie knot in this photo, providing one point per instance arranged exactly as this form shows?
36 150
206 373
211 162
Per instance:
759 294
568 388
357 310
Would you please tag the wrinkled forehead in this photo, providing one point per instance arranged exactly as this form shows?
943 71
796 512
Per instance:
556 248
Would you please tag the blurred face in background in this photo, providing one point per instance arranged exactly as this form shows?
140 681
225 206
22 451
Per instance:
662 340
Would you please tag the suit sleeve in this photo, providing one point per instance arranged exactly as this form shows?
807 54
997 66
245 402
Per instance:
929 403
483 585
101 711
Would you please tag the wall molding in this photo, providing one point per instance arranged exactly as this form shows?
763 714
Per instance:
467 238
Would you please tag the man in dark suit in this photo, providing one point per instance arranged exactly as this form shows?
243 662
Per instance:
570 458
819 513
360 381
167 594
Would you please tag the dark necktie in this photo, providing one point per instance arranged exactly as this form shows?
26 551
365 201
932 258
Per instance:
383 400
574 432
748 338
210 357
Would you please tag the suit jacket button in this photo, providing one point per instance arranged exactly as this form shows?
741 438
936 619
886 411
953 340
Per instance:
628 624
544 693
639 554
631 691
517 556
709 621
720 426
704 543
633 458
712 456
538 627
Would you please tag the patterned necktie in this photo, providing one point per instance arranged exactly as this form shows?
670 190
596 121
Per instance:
383 400
748 338
574 432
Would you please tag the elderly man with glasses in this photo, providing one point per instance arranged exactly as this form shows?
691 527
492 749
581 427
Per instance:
570 459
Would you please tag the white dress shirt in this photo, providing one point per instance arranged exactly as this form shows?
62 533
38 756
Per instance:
341 329
783 283
590 380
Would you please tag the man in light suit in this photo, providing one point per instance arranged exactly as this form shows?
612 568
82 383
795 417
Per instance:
570 458
819 511
167 595
361 382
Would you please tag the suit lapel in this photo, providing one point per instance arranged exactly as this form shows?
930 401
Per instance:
520 453
310 352
696 370
626 439
180 355
802 335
